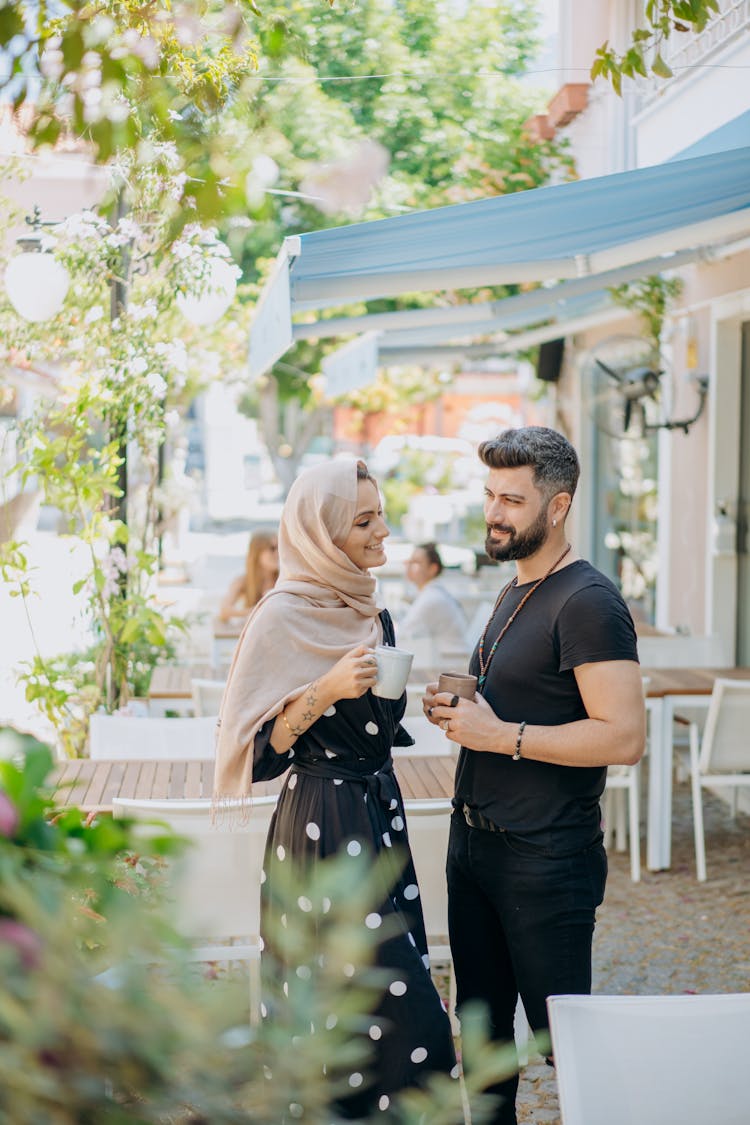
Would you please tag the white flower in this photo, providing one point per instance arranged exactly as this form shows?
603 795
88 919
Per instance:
346 186
174 354
137 366
51 64
129 228
95 313
82 226
110 587
178 185
119 559
156 384
172 419
146 311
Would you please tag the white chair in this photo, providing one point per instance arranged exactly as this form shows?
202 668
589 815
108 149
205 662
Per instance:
624 781
207 696
428 824
117 737
215 885
428 738
651 1060
721 759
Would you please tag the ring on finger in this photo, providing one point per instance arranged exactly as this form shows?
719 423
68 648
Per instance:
429 712
444 724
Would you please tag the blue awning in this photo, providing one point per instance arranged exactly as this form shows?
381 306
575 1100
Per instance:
550 233
732 134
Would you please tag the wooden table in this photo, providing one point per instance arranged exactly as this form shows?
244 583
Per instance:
170 688
667 690
92 785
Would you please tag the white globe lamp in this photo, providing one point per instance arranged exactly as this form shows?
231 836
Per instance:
214 297
36 284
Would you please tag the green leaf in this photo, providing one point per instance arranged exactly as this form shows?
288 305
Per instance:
11 23
660 68
131 630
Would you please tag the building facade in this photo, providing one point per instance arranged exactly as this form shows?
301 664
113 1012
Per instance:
681 495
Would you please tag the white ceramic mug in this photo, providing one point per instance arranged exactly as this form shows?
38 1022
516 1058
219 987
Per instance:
394 666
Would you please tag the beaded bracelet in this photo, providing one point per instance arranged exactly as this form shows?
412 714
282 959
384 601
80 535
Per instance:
519 736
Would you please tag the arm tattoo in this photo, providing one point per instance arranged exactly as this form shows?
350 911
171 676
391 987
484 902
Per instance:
311 699
312 694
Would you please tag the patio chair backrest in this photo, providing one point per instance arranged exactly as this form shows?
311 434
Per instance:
215 885
651 1060
726 736
428 825
207 696
124 737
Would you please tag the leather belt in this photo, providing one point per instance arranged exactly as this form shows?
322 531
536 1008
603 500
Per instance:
475 819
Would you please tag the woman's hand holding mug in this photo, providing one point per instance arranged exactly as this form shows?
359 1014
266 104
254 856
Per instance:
352 675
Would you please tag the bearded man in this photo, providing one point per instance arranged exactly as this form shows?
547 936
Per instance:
559 698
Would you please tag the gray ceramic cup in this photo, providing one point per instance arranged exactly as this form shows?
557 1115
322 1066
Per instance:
394 666
458 683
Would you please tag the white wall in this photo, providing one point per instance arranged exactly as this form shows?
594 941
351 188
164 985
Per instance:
229 438
711 93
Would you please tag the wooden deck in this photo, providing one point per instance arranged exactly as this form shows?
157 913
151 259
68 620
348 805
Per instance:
92 785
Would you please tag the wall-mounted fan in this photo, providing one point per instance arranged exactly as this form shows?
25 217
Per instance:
623 389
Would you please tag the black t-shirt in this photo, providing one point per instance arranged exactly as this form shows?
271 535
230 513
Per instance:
575 617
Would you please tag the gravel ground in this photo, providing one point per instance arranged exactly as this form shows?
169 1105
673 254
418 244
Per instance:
668 933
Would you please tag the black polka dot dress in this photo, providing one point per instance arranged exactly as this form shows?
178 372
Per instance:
341 795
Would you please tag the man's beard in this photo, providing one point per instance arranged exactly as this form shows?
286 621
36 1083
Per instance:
520 544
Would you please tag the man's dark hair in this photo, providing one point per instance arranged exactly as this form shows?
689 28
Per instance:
550 455
432 554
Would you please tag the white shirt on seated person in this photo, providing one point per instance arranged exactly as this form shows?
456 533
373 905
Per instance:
434 613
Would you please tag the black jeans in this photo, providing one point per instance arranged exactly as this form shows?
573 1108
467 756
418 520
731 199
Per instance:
521 921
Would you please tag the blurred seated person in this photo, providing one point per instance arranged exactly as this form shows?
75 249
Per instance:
261 572
434 613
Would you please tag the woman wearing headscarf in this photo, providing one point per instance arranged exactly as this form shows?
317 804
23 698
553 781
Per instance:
298 697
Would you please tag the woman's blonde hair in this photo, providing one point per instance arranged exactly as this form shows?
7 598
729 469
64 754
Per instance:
253 576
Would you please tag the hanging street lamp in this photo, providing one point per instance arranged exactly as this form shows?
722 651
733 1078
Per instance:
36 283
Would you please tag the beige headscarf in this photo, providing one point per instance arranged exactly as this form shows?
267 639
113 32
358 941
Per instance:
322 607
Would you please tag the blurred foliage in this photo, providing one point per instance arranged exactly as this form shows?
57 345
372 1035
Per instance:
416 472
643 57
250 102
440 89
650 298
102 1017
122 378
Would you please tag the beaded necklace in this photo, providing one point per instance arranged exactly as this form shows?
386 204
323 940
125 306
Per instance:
484 666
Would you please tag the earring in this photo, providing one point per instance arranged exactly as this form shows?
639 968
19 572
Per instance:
554 523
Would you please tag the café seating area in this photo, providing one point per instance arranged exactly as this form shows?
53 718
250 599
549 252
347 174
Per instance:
157 765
